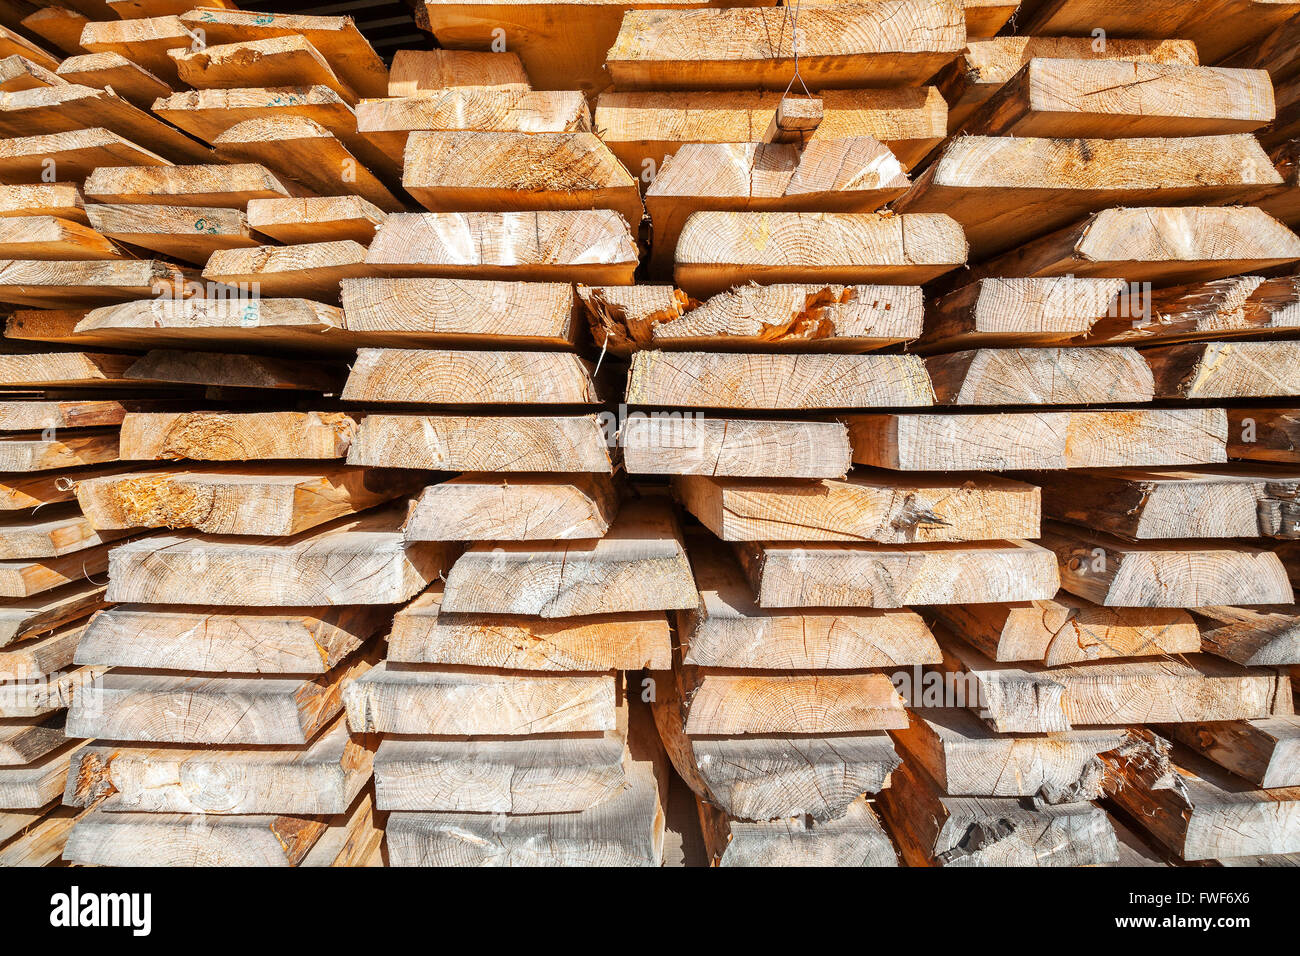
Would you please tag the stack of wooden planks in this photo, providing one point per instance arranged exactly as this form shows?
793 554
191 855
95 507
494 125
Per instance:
876 423
52 563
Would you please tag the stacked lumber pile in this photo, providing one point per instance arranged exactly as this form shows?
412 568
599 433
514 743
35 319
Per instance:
52 561
176 351
512 733
876 421
1091 252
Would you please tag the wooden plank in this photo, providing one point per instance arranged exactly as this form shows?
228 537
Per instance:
144 41
644 128
304 150
38 782
337 38
61 200
1109 99
1231 308
891 576
188 233
316 219
825 703
236 436
45 325
461 312
1018 312
236 371
518 775
625 830
990 61
1217 28
1051 376
1116 573
1273 52
1202 812
43 370
639 565
59 26
33 416
855 839
354 838
1225 370
1069 630
753 318
469 377
894 43
221 324
41 843
16 822
1040 440
127 78
1251 635
857 174
190 839
68 283
475 702
178 708
733 447
769 777
592 246
13 43
481 443
68 107
19 73
1241 502
430 72
509 172
984 18
311 270
934 829
236 641
386 124
23 699
25 741
1287 124
1006 190
60 530
1026 698
20 491
75 154
425 634
221 185
246 499
273 61
1264 752
718 250
1163 245
1263 434
48 237
867 506
26 453
518 508
40 658
360 560
206 114
31 617
1283 203
561 46
743 381
324 776
729 630
966 759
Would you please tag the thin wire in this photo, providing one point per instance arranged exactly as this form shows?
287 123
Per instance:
793 19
